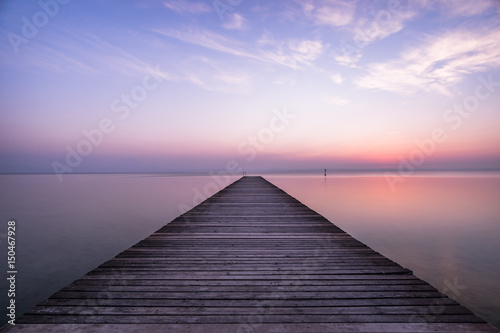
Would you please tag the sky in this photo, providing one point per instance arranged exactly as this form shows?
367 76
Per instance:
241 85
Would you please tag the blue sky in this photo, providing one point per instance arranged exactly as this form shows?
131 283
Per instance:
192 85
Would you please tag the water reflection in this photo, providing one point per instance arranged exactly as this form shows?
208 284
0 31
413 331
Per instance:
66 229
445 229
442 228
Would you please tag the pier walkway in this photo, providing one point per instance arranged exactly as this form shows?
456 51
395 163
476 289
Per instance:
250 259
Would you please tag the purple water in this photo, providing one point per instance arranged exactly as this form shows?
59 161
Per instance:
446 228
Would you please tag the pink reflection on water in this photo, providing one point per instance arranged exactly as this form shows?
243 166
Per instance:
441 227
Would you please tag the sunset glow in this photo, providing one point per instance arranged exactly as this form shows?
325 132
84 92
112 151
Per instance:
178 85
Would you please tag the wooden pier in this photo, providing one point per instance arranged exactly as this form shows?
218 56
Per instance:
250 259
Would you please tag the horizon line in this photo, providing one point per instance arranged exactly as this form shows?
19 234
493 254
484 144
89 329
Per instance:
215 171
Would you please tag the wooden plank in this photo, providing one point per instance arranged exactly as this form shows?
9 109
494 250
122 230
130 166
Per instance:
248 287
250 258
246 295
242 310
252 282
260 327
96 318
256 303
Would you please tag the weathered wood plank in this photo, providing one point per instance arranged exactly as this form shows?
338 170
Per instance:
96 318
242 310
261 328
349 302
245 295
246 288
218 282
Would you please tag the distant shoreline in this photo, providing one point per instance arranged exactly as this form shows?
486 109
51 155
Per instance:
319 172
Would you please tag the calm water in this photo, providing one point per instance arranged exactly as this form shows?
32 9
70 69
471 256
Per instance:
444 228
66 229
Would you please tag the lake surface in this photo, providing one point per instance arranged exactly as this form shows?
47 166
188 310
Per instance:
444 227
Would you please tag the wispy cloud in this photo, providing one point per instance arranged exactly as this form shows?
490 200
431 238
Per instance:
291 53
285 80
305 51
437 64
332 13
266 39
207 39
107 56
336 78
337 14
189 7
465 7
212 75
235 21
294 53
85 54
52 60
347 56
337 101
370 27
375 22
